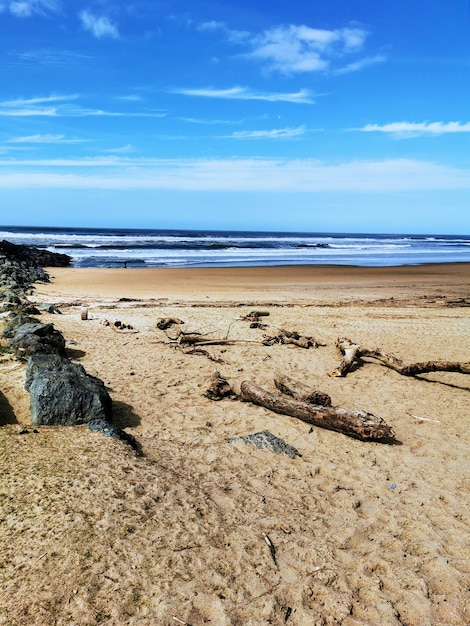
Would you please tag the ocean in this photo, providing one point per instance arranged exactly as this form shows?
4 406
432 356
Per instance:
93 247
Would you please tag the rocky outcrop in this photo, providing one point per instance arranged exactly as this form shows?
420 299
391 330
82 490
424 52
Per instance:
63 393
21 267
35 257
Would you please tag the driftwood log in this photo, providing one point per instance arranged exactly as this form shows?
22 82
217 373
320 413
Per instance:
357 424
299 391
354 354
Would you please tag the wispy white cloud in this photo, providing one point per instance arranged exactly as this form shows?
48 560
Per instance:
62 106
98 25
271 175
208 122
414 129
211 25
47 56
44 139
24 102
292 49
356 66
276 133
303 96
27 8
121 150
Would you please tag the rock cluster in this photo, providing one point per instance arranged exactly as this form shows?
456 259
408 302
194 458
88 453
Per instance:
21 267
61 391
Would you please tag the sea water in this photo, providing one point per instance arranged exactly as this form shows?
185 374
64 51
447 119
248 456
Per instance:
93 247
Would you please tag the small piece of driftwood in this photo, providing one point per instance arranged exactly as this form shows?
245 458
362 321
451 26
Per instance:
290 337
202 352
254 316
354 355
218 388
165 322
357 424
299 391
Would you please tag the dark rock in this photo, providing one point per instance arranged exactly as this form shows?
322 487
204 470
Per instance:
265 439
36 338
63 393
18 320
31 310
34 256
10 297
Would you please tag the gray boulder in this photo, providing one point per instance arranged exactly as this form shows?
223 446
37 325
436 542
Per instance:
34 337
63 393
14 321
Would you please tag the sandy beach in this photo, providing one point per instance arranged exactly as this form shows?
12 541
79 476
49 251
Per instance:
362 533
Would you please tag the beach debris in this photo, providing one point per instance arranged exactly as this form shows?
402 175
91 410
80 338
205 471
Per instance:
288 614
206 353
165 322
272 550
84 313
424 419
219 388
300 391
254 318
358 424
290 337
119 326
265 439
354 355
180 621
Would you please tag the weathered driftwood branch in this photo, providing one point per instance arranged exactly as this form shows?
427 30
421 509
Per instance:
299 391
357 424
202 352
353 355
287 336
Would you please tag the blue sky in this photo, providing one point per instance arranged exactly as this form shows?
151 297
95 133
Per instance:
333 115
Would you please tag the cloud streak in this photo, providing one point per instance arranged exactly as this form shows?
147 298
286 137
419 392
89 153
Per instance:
276 133
44 139
303 96
413 129
237 175
62 106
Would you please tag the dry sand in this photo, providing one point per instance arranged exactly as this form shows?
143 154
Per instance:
365 533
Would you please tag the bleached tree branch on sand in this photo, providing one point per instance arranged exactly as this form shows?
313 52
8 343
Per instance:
354 355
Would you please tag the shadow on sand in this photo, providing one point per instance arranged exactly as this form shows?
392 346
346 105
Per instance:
7 416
